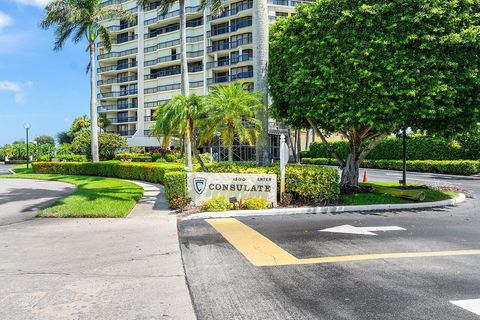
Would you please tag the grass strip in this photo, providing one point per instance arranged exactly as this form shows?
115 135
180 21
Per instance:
377 198
95 197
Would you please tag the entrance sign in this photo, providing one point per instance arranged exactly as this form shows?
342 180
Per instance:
202 186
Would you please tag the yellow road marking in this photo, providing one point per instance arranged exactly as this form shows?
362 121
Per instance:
261 251
258 249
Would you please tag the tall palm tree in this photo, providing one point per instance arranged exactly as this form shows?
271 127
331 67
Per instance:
79 19
215 7
231 110
180 117
260 77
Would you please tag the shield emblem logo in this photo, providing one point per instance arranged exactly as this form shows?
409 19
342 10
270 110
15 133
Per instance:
199 185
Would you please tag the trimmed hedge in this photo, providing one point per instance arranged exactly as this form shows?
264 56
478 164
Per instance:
317 184
419 148
16 162
175 186
72 157
459 167
133 157
151 172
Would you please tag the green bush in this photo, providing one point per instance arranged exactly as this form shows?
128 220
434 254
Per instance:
16 162
309 183
157 156
172 157
420 147
175 187
218 203
459 167
255 204
133 157
72 157
151 172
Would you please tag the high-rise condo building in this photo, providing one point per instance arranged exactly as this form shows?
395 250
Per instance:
143 68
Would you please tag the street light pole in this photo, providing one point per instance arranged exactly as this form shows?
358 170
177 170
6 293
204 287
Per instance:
27 126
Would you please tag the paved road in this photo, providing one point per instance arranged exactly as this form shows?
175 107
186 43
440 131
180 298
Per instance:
22 199
5 168
301 284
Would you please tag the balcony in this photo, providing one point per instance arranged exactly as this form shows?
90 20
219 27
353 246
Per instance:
172 57
154 104
172 43
163 73
122 120
229 45
231 12
116 80
170 14
230 61
117 67
171 87
230 78
117 54
228 29
124 133
121 27
116 94
112 107
110 2
287 3
120 40
149 118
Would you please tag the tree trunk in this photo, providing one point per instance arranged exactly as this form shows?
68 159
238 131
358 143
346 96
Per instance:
230 153
260 77
185 83
291 144
350 173
307 138
195 153
93 105
299 146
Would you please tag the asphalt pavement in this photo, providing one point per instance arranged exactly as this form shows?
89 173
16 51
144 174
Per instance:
415 264
22 199
5 168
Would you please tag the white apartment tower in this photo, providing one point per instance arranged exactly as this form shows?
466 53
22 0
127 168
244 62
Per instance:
143 68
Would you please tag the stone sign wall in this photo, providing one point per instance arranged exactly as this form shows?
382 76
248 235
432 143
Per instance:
203 186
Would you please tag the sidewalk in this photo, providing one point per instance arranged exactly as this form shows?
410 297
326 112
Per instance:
95 268
154 209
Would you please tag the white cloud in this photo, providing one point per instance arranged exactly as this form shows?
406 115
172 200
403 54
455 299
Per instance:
17 88
5 20
37 3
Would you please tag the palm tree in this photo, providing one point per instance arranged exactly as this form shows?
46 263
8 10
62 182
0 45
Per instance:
231 110
79 19
104 122
260 77
180 117
215 7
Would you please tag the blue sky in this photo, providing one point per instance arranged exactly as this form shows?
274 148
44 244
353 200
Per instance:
48 89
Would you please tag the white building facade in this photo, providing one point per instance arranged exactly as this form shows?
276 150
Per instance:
142 70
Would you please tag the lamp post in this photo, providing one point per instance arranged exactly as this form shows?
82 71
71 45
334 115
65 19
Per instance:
27 126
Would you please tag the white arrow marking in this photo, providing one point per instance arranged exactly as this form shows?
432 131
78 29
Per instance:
472 305
361 230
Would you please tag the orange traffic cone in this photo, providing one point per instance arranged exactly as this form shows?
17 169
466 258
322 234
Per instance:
365 176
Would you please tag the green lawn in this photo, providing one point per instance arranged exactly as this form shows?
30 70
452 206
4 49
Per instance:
95 197
377 198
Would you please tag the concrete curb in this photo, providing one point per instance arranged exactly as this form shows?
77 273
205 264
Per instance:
330 209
